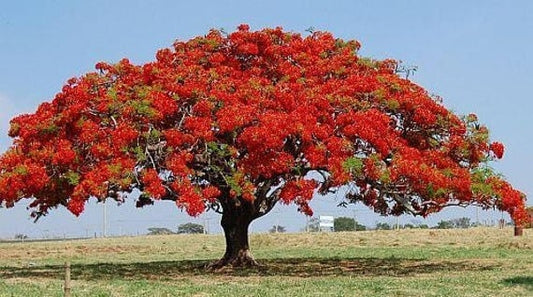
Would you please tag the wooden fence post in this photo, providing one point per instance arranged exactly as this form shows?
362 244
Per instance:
67 279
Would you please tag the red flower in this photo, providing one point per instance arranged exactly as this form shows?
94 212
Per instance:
243 27
152 184
76 206
210 193
497 148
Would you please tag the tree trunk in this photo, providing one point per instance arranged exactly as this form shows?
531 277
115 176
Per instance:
235 222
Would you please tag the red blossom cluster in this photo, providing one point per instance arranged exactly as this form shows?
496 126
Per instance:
152 184
301 192
497 148
224 116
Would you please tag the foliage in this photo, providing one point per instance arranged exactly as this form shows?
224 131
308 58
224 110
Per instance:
383 226
277 229
190 228
347 224
235 122
444 225
159 231
463 222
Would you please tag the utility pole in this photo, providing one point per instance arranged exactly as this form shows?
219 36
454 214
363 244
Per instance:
398 223
277 220
354 220
206 225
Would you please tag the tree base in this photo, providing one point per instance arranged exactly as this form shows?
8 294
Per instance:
240 259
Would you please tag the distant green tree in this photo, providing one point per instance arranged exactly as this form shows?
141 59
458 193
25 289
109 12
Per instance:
359 227
277 229
463 222
343 224
159 231
408 226
383 226
347 224
444 224
190 228
423 226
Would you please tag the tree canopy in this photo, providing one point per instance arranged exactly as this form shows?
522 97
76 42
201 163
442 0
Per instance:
237 122
347 224
190 228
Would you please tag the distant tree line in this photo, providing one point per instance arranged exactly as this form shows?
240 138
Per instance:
339 224
350 224
455 223
187 228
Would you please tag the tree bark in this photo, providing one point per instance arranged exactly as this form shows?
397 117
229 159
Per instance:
236 219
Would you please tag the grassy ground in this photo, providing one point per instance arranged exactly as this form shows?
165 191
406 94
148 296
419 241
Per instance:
473 262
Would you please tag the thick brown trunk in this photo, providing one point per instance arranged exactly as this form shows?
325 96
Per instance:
235 222
237 246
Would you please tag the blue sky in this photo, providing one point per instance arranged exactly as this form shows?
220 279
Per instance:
475 54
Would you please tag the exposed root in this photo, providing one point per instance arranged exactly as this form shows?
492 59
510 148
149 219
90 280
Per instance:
240 259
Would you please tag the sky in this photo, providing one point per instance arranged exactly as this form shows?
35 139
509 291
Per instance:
476 55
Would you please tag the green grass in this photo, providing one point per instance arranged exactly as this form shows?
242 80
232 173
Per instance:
472 262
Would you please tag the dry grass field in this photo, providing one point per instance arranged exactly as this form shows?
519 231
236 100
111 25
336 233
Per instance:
460 262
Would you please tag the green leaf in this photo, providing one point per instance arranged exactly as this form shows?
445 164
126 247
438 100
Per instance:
20 169
142 107
234 185
139 153
218 149
385 176
393 104
73 178
353 164
153 136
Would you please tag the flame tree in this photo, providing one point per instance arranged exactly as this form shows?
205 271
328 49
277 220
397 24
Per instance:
238 122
